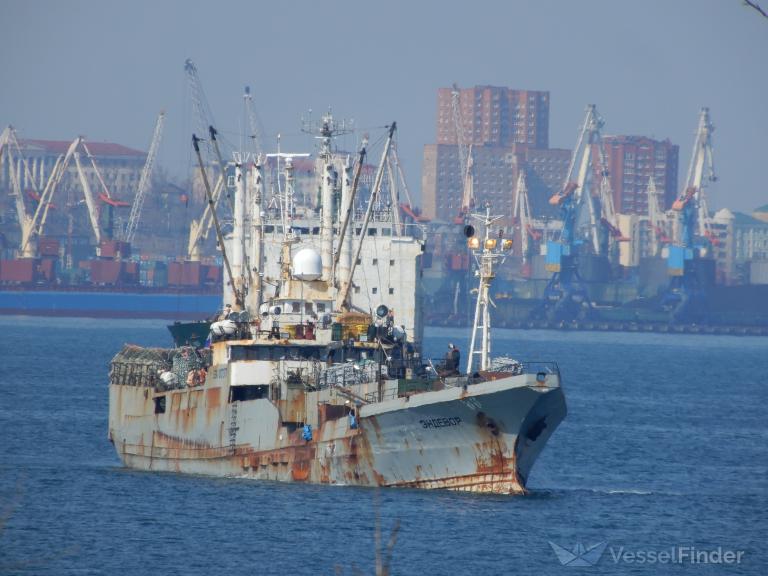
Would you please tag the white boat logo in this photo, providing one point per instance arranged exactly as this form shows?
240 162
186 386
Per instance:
579 556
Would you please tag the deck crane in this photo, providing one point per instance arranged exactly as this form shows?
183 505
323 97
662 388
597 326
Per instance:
144 181
209 150
237 289
199 229
342 297
465 157
686 293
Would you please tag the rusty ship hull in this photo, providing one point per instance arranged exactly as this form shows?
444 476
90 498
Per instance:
483 437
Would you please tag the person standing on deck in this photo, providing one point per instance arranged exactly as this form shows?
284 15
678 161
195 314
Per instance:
452 358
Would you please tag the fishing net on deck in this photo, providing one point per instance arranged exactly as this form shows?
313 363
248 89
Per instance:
138 366
348 373
186 360
505 364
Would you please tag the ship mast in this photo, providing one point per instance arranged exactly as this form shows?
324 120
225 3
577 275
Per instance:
326 131
256 182
487 251
239 267
343 295
239 297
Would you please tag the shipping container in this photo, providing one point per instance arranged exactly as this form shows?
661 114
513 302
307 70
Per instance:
105 272
47 246
115 249
184 274
18 271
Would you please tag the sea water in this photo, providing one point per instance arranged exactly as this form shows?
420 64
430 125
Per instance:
661 467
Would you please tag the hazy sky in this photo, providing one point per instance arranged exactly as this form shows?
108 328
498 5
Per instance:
105 69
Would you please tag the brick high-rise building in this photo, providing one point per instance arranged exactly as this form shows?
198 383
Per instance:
631 161
495 116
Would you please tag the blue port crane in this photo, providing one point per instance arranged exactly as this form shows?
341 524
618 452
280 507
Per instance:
688 259
586 225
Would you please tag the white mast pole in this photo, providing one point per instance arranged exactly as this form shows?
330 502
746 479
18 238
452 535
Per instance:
326 201
346 199
238 234
257 194
487 253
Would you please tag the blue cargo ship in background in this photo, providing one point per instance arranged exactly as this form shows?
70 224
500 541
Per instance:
109 303
109 286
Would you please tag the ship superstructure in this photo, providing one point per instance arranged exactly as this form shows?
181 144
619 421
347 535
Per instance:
313 376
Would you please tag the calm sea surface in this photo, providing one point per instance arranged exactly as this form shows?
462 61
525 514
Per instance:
665 446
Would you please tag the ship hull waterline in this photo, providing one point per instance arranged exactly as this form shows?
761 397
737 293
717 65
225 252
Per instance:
483 438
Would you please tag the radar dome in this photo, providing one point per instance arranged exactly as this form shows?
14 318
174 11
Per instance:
307 264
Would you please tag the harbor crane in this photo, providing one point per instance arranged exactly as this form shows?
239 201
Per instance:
577 193
659 236
32 228
565 289
692 205
610 234
11 156
144 181
521 214
200 106
204 122
465 157
689 254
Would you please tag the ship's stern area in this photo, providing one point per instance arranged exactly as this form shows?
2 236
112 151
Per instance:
483 437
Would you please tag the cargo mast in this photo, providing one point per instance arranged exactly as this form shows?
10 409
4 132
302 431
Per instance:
256 188
325 132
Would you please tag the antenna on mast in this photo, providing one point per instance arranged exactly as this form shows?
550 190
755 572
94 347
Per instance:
488 251
327 129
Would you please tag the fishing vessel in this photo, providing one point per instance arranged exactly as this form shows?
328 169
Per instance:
313 376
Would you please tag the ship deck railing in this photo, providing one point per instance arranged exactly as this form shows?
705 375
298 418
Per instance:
443 379
501 365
